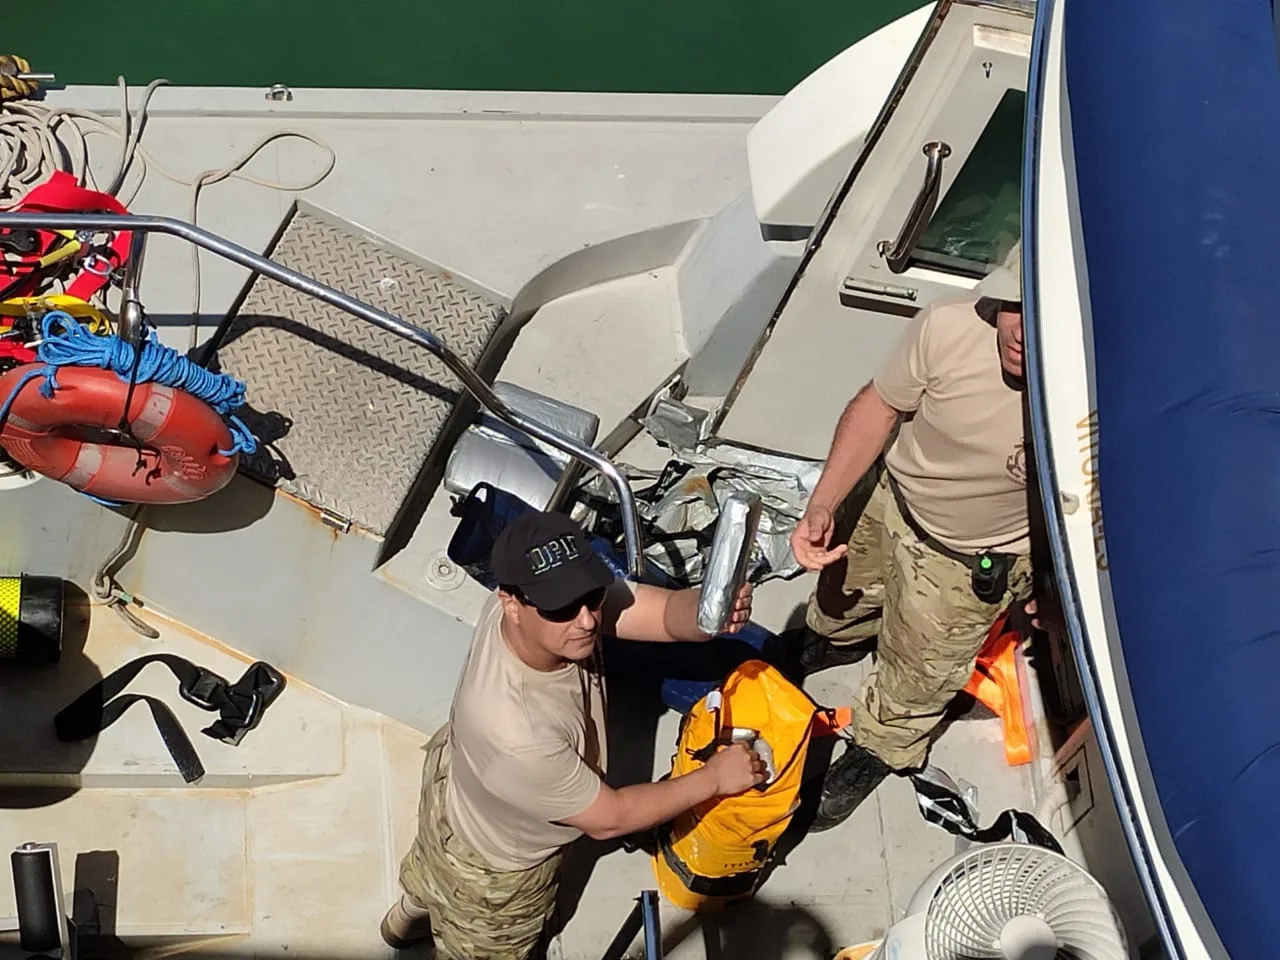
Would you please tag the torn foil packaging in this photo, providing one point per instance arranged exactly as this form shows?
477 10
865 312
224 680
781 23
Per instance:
681 509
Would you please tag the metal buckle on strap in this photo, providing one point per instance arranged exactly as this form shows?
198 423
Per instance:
204 688
241 710
98 265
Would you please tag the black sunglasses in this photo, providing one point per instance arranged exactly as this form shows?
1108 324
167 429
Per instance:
593 601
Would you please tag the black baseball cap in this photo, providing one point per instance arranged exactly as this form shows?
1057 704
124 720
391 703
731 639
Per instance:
549 558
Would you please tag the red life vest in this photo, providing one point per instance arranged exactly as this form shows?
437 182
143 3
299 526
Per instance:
29 257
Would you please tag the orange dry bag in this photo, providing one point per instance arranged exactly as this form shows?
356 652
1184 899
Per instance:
715 853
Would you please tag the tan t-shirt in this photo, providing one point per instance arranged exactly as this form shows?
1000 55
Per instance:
528 749
960 459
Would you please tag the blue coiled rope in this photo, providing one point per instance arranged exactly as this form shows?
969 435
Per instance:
66 342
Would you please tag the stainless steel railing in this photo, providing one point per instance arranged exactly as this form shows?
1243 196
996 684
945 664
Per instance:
475 385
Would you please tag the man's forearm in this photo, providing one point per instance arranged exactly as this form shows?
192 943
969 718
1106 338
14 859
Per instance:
646 805
860 435
680 618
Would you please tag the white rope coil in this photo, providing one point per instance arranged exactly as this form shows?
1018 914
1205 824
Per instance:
36 140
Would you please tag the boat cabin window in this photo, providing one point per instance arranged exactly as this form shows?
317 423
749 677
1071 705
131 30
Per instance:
977 222
935 205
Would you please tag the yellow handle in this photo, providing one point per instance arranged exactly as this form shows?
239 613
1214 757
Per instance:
96 320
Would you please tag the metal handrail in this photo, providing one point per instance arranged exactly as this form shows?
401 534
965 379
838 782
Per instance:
897 255
228 250
132 315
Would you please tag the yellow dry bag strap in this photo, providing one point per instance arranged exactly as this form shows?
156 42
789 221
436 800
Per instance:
736 885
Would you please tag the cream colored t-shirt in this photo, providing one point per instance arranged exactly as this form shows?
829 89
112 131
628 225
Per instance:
959 460
528 749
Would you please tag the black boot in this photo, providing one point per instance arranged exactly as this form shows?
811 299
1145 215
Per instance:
848 782
806 652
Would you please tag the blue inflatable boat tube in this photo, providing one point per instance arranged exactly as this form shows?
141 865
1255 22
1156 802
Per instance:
1175 125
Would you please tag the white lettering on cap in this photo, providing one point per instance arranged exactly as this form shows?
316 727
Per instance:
551 554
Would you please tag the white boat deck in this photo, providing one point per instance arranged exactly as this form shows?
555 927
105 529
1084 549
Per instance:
293 839
493 185
290 846
285 842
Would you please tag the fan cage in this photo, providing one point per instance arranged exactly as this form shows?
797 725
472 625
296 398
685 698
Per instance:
993 884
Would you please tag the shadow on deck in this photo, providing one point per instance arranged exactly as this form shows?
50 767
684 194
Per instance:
36 769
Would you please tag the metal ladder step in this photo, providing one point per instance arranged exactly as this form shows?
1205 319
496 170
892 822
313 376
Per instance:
350 414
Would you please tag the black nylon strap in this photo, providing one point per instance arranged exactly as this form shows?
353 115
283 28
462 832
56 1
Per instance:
941 804
175 738
239 705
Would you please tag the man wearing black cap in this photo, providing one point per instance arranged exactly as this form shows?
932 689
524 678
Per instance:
516 774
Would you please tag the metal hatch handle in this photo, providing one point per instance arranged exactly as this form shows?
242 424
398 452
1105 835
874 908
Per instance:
918 218
140 224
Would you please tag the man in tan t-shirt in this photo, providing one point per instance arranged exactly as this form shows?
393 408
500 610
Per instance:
939 539
517 772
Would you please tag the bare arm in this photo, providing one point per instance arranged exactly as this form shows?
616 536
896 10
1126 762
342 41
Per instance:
616 813
640 611
860 436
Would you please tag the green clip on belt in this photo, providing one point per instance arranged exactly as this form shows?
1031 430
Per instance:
31 619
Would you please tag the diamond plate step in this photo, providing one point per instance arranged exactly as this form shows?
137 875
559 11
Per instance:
349 414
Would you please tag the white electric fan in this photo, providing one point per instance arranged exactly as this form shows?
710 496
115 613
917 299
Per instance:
1007 901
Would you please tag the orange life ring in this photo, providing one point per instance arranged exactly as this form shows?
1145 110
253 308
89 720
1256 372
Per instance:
55 436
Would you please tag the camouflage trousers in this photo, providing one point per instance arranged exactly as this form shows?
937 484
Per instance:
476 910
921 606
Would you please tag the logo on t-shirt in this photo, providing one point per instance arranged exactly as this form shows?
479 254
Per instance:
1017 462
551 554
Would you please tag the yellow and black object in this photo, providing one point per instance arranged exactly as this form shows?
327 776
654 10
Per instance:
17 82
716 853
17 309
31 611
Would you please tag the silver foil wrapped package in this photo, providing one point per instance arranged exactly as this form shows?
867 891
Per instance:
726 569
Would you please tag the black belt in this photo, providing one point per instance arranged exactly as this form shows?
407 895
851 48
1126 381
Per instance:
240 706
988 571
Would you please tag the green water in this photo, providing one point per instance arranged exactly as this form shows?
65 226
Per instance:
661 46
